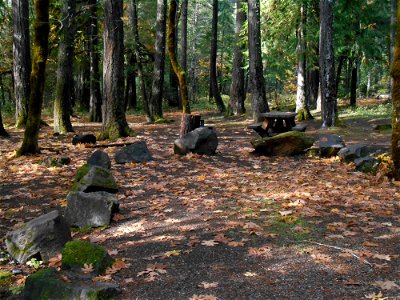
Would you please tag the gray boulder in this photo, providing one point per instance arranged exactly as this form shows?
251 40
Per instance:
48 284
90 209
367 164
94 179
328 145
83 139
44 236
137 152
202 140
284 144
99 158
352 152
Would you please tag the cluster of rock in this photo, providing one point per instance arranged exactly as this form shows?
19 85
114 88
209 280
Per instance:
202 140
91 203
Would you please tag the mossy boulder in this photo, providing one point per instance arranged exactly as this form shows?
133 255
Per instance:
284 144
78 253
47 284
94 179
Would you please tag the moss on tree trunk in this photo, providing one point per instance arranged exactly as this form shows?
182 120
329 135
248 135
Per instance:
396 105
40 49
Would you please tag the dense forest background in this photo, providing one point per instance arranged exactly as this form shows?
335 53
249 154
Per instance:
362 47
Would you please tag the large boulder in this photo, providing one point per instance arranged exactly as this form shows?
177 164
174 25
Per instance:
352 152
327 145
202 140
284 144
91 179
51 285
99 158
137 153
90 209
77 254
44 236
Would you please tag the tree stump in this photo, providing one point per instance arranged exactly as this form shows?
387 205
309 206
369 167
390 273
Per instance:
188 123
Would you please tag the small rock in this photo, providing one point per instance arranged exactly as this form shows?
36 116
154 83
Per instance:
352 152
44 236
90 209
83 139
137 153
367 164
78 253
329 144
16 271
91 179
202 140
99 158
58 161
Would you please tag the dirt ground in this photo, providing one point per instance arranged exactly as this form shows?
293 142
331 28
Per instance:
230 226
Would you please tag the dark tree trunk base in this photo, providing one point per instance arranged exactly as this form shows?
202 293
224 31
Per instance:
189 123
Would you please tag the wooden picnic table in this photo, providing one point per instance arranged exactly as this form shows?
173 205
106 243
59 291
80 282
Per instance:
276 122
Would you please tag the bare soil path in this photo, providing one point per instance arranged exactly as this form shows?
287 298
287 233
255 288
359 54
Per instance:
230 226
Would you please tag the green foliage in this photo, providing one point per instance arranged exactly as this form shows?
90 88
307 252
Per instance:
34 263
378 110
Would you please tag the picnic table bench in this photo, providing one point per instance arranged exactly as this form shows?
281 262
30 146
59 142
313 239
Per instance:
276 122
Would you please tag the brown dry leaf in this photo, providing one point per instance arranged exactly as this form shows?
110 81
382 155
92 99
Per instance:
209 243
285 212
104 278
235 244
250 274
113 252
261 251
321 257
65 278
370 244
351 282
117 266
173 253
386 285
87 268
55 261
203 297
208 285
382 256
153 271
221 238
129 280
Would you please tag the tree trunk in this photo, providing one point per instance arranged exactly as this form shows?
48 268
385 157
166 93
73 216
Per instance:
40 52
173 95
21 59
171 35
193 64
327 63
368 83
114 121
83 82
95 92
396 105
183 38
213 60
3 132
339 72
64 86
155 103
393 22
353 89
302 109
130 87
257 85
136 42
238 94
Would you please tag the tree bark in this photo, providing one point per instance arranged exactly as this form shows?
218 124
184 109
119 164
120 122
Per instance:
396 104
393 22
3 132
171 35
114 120
257 84
64 86
95 92
193 64
40 52
213 60
21 59
353 88
155 103
130 86
327 64
339 72
238 94
302 109
142 83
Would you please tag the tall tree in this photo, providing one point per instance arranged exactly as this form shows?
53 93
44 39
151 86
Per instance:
40 51
136 44
64 86
95 92
213 60
114 120
21 59
396 102
238 94
257 83
327 64
3 132
393 22
193 62
155 103
302 109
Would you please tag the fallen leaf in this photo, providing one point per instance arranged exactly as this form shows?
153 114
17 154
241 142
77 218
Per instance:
203 297
386 285
370 244
208 285
250 274
173 253
351 282
382 256
209 243
87 268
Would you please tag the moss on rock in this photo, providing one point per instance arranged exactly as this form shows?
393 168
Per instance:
78 253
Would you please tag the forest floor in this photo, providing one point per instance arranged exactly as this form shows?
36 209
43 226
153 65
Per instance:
229 226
